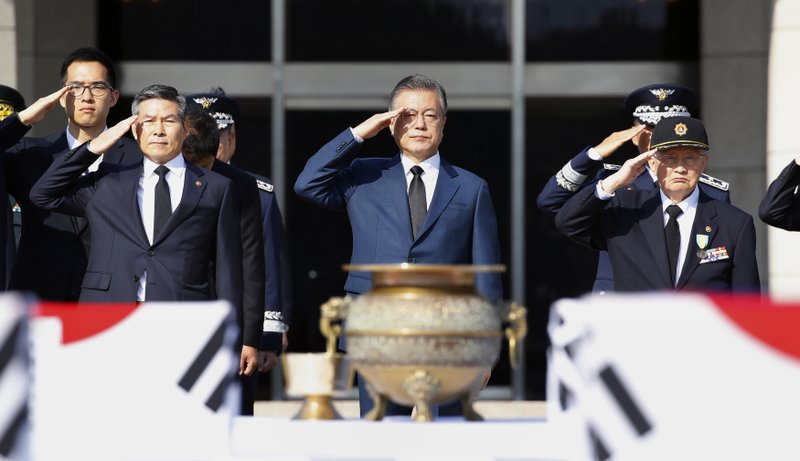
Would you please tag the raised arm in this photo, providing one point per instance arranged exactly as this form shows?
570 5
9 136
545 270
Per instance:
326 178
581 170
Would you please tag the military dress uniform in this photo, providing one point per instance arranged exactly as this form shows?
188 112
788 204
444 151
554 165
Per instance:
648 105
10 103
719 243
224 111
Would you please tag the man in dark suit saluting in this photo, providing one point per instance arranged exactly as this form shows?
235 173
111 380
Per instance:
695 242
158 225
53 251
414 207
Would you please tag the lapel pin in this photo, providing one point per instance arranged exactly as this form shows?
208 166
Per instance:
708 228
198 183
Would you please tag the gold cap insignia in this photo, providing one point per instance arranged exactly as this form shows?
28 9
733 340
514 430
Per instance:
681 129
205 102
6 109
662 93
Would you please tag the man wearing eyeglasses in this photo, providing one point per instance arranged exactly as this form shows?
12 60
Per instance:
414 207
676 237
647 105
53 247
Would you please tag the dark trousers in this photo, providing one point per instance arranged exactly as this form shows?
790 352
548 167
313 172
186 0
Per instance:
249 385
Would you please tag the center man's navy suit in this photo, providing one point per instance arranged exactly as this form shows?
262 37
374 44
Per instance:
630 227
203 229
460 227
53 247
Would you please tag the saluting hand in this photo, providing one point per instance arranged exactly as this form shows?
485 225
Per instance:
628 173
373 125
108 138
36 111
616 139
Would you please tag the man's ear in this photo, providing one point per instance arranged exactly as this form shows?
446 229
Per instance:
391 125
114 98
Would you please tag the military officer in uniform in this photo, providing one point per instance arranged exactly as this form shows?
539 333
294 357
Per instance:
225 111
648 105
10 102
673 237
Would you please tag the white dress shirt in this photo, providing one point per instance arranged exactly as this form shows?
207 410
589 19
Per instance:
685 222
430 173
73 143
430 168
146 194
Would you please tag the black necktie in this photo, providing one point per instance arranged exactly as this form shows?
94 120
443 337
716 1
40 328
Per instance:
673 236
163 204
417 202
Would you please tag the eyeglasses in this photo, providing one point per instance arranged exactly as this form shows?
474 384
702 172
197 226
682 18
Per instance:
430 118
96 89
689 160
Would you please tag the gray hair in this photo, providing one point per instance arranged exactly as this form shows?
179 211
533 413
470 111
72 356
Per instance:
419 82
159 92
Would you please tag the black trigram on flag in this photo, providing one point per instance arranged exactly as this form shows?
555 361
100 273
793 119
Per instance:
622 398
215 345
13 385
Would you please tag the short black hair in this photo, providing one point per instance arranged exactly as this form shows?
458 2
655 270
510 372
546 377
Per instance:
202 137
90 54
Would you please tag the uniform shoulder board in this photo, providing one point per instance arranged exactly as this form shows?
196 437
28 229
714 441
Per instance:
714 182
611 166
265 186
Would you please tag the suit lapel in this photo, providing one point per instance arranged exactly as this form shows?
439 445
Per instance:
705 217
652 222
446 187
193 186
129 191
395 181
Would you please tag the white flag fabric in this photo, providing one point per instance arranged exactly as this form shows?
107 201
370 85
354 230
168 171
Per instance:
126 381
675 376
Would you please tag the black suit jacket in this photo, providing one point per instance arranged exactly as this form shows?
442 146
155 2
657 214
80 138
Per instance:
11 131
631 228
780 207
53 247
202 231
252 240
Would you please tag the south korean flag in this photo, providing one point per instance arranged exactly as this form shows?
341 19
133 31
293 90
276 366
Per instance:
13 378
592 402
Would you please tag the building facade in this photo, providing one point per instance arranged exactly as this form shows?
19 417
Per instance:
530 83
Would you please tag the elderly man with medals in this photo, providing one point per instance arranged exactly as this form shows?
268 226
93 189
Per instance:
695 242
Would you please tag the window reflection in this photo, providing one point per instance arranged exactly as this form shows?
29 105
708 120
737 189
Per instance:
609 30
185 30
397 30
